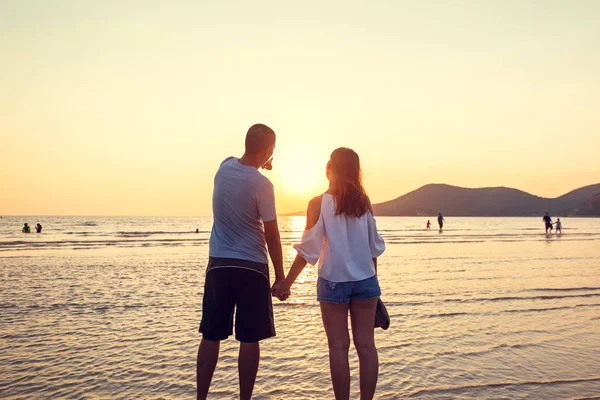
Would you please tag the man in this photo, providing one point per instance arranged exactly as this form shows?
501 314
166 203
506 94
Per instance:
237 276
441 221
548 222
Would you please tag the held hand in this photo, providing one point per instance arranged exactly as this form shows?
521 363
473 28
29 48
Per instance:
280 290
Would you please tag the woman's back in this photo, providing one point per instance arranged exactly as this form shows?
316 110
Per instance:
343 245
341 235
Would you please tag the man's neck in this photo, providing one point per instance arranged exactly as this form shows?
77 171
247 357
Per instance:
249 160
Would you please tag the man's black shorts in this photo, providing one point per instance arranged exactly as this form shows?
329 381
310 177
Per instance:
242 286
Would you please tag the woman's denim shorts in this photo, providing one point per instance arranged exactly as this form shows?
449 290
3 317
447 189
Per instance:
345 292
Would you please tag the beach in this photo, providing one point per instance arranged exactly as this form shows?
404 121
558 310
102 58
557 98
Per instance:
109 307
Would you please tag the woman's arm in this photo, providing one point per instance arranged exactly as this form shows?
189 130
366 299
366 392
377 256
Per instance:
297 267
313 212
375 241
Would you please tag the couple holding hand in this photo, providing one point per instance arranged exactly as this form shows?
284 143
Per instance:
340 236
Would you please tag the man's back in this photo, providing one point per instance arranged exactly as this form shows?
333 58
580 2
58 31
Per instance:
242 199
237 290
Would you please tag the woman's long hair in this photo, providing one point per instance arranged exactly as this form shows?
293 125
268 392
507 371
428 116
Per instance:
346 177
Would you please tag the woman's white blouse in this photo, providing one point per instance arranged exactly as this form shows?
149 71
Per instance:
343 246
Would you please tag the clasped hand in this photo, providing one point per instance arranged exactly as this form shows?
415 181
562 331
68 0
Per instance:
281 290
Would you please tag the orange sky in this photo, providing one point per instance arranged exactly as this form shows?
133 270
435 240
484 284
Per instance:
109 108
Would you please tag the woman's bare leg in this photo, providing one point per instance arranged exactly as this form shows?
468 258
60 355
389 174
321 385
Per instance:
362 314
335 321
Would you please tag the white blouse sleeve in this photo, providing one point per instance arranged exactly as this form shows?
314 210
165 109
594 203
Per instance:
312 241
376 242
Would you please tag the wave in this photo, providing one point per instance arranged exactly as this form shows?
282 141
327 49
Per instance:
518 298
452 314
435 241
551 308
464 388
490 299
564 289
525 310
486 350
132 233
494 299
148 233
589 236
21 244
586 398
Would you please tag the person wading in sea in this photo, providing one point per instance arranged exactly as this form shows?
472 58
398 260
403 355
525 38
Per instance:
441 221
548 221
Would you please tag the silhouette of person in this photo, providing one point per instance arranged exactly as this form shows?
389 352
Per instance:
428 225
38 228
197 231
26 228
441 221
548 221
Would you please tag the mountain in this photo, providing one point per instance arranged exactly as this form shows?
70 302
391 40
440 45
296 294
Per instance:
591 206
580 196
431 199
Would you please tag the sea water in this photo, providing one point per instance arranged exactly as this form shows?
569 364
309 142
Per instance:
490 308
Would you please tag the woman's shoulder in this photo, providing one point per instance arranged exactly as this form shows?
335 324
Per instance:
313 211
315 202
314 206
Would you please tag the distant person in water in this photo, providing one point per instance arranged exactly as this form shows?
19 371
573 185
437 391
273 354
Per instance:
244 234
558 226
197 231
26 228
441 221
38 228
428 225
548 221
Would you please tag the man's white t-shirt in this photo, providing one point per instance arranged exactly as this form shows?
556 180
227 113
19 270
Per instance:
243 199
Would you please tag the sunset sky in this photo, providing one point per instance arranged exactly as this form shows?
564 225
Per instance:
128 107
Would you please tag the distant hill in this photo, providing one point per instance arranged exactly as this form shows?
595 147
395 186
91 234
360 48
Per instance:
580 197
591 206
431 199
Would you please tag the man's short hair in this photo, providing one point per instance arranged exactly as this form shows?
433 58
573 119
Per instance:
258 138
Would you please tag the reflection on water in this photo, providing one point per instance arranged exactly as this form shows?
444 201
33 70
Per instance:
490 308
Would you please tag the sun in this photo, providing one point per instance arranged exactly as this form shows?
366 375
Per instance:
300 171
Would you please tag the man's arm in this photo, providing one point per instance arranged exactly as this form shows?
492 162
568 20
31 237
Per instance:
274 246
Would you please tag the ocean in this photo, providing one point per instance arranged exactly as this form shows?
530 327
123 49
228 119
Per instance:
491 308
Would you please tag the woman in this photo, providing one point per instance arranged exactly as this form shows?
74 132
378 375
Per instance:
341 235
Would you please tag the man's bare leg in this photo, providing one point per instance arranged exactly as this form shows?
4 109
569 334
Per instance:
208 355
248 360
